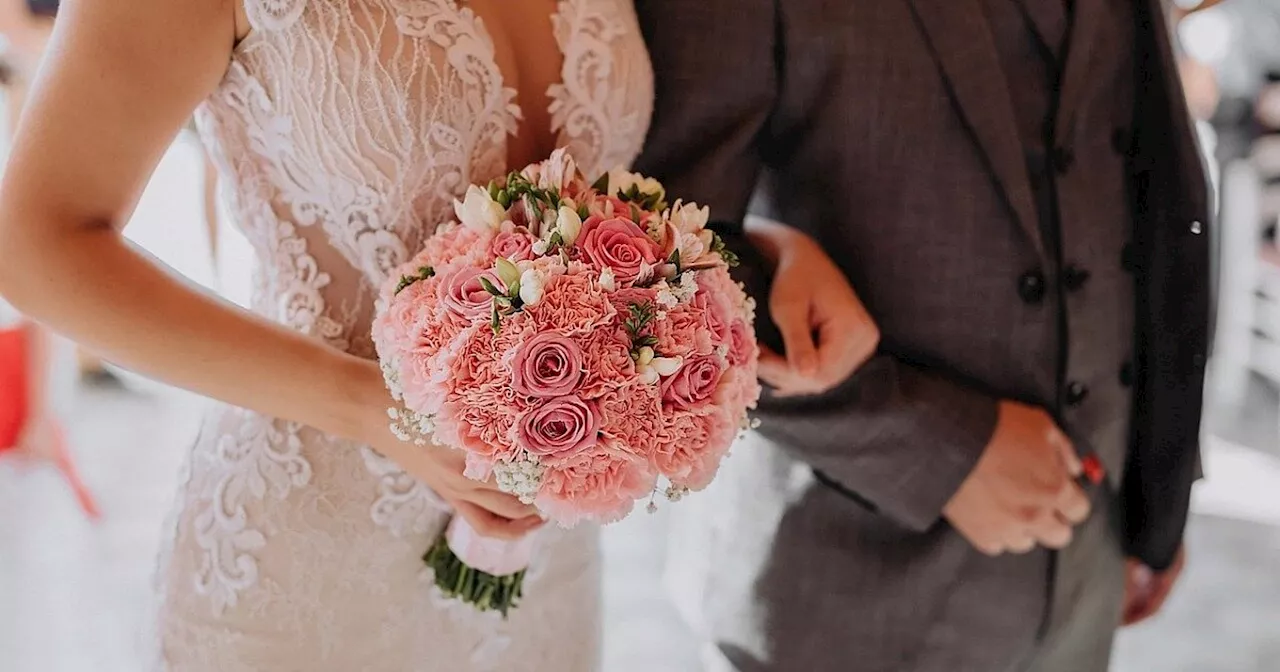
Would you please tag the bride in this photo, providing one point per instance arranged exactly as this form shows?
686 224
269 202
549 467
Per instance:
343 130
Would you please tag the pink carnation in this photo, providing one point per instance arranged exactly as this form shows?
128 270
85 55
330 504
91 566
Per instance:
456 245
624 298
633 417
400 323
693 447
571 304
608 353
683 333
601 487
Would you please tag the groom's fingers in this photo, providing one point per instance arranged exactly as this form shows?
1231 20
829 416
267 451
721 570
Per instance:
844 345
791 312
775 371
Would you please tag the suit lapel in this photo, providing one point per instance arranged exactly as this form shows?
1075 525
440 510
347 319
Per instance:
1080 60
1049 18
966 54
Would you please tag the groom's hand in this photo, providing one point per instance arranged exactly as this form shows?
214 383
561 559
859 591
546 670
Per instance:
1146 590
826 331
1022 492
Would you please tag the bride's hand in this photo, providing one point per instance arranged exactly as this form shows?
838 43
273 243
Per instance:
826 330
490 511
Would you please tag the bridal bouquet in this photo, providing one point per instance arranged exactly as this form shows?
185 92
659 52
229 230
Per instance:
581 342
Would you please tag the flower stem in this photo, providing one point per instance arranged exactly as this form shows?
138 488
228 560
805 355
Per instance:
484 591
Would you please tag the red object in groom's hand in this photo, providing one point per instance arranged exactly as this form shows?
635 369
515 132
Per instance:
1093 469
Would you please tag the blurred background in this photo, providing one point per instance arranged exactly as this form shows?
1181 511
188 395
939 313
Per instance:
74 595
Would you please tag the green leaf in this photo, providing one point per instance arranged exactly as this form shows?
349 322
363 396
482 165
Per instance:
635 213
424 272
556 240
602 184
513 291
717 245
583 212
495 320
493 190
674 259
488 287
504 199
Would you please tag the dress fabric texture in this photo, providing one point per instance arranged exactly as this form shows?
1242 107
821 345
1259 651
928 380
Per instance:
343 131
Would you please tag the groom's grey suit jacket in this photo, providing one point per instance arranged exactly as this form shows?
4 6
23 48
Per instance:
1013 188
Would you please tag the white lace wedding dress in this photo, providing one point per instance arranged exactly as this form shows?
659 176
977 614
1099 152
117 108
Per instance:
343 131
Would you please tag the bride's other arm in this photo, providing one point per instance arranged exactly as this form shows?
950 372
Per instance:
118 82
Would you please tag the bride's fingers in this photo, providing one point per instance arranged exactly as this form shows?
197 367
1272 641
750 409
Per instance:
489 524
500 503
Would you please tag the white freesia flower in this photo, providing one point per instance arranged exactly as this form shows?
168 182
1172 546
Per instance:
688 217
622 181
644 356
666 366
648 376
568 224
608 281
540 247
478 211
532 282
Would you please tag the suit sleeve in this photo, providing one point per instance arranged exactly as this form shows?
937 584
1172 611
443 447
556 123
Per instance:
896 437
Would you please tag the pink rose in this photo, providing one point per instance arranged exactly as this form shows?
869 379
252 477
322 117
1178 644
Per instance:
512 245
548 365
560 428
718 314
742 343
618 244
464 296
694 384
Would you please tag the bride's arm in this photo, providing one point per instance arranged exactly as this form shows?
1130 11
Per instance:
119 80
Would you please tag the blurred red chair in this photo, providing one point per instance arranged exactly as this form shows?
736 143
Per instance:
14 358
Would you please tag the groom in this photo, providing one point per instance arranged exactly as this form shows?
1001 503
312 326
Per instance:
1013 189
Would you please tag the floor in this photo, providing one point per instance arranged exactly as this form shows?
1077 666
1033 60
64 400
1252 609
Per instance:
73 597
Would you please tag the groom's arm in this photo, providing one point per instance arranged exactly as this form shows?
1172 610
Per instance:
897 436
